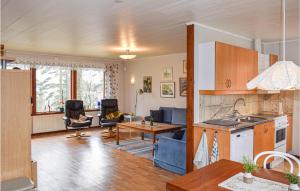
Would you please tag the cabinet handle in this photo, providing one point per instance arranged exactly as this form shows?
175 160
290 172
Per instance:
226 83
229 83
266 130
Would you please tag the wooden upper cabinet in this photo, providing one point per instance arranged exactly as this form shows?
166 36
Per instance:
264 139
273 59
226 67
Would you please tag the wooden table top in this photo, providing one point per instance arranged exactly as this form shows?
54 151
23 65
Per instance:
209 177
157 128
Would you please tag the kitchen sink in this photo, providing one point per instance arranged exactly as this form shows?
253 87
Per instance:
251 119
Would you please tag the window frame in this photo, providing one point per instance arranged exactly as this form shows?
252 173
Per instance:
73 91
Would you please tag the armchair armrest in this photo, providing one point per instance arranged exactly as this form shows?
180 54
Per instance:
89 117
171 151
67 121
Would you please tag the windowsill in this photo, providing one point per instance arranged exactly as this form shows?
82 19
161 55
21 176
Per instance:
47 113
58 112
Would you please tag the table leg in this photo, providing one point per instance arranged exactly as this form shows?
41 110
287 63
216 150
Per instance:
118 136
154 140
143 135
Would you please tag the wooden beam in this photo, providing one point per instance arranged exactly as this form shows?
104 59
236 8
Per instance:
73 84
190 98
33 90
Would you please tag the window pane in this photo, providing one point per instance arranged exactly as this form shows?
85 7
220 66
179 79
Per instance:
52 86
90 86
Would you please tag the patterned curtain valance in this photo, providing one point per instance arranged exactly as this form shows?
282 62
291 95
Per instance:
34 59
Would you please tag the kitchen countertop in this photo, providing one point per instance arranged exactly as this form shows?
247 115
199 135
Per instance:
242 125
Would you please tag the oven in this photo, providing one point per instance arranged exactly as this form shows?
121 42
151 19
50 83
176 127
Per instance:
280 136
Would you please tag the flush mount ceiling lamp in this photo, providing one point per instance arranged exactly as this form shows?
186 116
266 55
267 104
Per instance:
283 75
127 56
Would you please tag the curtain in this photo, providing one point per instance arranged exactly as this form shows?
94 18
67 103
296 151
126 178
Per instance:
111 81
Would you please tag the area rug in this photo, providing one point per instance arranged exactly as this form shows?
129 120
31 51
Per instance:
135 146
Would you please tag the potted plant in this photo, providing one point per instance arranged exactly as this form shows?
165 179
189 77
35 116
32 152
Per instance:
151 121
293 180
249 167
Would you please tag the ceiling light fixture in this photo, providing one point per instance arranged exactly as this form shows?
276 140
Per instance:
127 56
283 75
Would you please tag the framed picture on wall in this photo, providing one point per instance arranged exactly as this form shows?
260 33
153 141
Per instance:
184 66
167 89
168 74
147 84
182 86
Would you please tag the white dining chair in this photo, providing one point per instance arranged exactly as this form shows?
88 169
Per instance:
285 156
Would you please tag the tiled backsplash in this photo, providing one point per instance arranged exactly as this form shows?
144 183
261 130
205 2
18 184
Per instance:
219 106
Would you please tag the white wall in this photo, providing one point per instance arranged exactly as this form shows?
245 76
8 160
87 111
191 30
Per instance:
50 123
152 66
292 54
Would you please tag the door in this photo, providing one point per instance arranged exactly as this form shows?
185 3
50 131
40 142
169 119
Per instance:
264 139
226 69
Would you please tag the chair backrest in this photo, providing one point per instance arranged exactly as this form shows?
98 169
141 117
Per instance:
74 108
288 157
108 106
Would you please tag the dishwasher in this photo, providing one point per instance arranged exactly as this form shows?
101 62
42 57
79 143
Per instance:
241 144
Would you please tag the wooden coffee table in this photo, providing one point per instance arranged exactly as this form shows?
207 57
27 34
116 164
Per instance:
157 128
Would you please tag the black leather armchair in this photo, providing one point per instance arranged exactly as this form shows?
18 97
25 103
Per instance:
73 110
109 106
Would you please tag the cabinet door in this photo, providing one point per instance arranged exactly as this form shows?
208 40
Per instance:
264 139
247 66
226 69
289 139
273 59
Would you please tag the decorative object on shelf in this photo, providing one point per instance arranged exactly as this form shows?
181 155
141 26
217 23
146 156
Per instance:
147 84
127 55
249 167
182 86
168 74
167 89
138 92
61 102
283 75
184 66
293 180
49 106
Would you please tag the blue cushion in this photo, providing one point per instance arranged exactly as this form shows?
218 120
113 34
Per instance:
179 116
167 114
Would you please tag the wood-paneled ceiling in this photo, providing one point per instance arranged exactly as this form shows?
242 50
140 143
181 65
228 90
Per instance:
105 28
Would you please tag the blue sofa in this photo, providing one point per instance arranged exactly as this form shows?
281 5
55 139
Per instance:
170 150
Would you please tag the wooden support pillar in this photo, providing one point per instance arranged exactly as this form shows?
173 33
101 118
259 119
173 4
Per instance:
73 84
190 98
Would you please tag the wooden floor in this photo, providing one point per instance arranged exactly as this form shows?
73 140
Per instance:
88 165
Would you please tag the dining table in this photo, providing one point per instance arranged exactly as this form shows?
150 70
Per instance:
209 177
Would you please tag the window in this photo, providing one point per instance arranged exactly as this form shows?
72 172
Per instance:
90 86
52 86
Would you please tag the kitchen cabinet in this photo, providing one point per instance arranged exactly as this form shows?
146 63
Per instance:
289 139
223 141
273 59
225 68
264 139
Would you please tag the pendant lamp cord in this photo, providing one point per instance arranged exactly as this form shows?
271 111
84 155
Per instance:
283 30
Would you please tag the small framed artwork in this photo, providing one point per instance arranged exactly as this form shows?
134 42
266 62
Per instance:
184 66
182 86
167 89
147 84
168 74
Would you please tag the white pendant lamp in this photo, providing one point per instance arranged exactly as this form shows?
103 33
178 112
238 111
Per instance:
283 75
127 56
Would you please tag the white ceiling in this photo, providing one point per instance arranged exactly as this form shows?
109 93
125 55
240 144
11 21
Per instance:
104 28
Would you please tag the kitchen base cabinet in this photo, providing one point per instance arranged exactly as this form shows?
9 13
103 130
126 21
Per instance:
289 138
264 140
223 141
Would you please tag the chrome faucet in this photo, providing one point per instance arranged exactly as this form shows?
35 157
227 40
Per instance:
235 111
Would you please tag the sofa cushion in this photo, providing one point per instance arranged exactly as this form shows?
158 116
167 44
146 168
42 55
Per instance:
157 115
178 135
167 112
179 116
